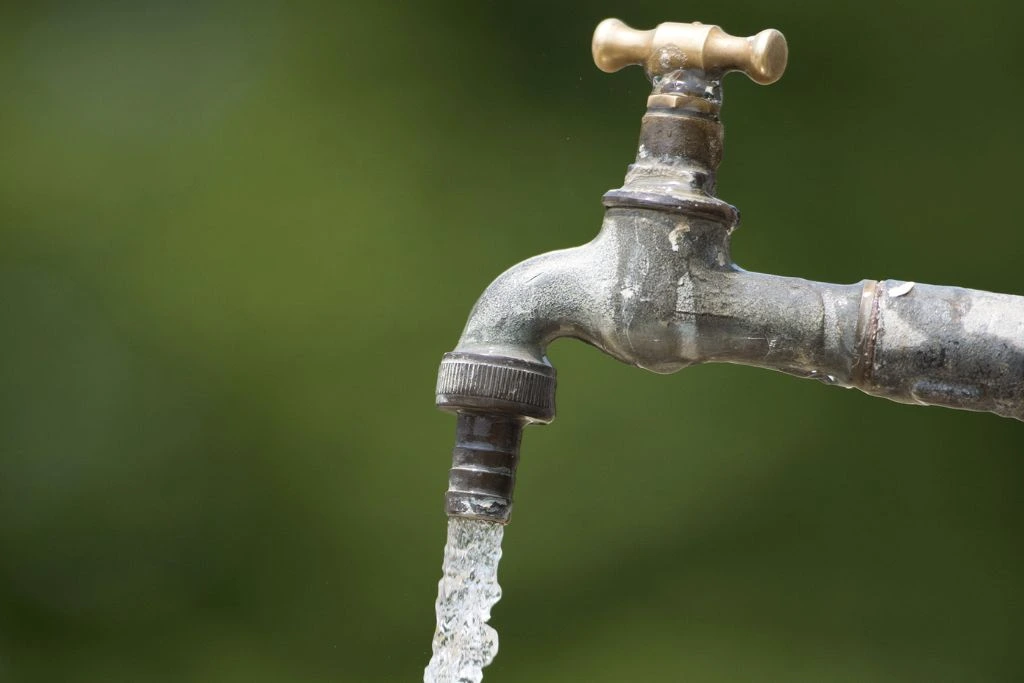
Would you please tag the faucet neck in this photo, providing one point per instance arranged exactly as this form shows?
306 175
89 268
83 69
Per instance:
682 127
679 150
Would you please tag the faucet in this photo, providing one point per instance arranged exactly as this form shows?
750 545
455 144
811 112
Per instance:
657 288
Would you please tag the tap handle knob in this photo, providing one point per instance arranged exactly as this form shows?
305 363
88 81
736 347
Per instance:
672 46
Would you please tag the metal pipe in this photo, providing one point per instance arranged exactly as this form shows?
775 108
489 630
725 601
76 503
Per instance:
657 288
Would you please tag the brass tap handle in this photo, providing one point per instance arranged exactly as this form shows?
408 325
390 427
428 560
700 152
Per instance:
672 46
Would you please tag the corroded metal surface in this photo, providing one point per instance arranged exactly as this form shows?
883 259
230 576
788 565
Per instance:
946 346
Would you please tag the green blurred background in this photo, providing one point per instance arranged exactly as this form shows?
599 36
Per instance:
236 238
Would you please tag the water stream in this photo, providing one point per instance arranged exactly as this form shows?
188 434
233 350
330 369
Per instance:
463 642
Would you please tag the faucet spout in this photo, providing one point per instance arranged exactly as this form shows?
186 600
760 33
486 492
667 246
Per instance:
533 303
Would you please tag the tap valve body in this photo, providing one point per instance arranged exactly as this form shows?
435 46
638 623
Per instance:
657 288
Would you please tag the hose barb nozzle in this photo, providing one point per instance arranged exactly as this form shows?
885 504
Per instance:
494 397
484 461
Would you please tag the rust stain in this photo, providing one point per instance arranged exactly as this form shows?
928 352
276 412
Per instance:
867 335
